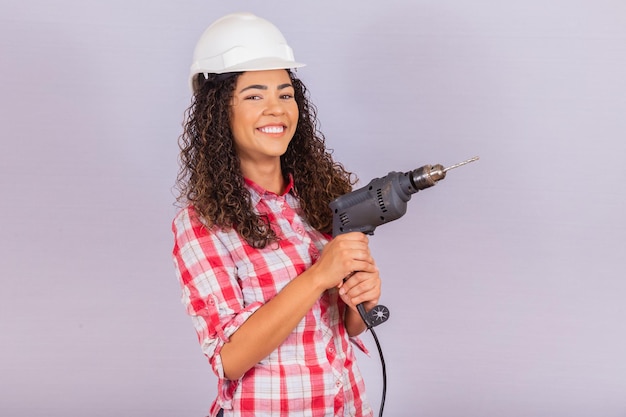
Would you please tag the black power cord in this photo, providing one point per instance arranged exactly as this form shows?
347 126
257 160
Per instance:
377 315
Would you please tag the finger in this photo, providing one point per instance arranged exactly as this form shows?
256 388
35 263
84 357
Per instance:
369 300
362 287
353 248
355 236
368 297
361 282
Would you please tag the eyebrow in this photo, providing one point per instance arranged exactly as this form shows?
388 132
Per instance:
264 87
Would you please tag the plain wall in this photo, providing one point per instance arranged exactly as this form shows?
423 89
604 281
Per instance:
506 281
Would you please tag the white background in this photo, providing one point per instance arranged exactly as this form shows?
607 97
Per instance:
506 282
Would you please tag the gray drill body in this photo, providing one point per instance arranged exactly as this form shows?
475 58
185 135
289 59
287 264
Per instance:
382 200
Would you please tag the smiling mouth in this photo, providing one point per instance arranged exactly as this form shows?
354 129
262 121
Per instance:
272 129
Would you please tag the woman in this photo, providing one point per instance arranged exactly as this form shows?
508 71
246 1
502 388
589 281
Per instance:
261 278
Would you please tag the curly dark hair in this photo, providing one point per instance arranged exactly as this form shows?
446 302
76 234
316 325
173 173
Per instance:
210 177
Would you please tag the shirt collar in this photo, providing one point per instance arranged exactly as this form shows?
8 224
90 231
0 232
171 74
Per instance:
257 192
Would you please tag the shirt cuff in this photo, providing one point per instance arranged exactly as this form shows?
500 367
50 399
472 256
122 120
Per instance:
359 343
224 336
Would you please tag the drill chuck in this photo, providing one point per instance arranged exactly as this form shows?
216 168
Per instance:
426 176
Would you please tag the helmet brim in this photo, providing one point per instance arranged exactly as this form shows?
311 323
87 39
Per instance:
259 64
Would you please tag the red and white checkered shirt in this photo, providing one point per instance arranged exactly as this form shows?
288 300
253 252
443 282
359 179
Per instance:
224 280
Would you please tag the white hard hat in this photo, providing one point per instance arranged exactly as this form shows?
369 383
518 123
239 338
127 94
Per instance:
241 42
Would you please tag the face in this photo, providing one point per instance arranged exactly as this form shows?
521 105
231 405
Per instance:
264 116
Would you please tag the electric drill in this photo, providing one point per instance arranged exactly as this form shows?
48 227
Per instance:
379 202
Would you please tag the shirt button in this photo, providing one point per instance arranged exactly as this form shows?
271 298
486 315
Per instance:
331 350
338 384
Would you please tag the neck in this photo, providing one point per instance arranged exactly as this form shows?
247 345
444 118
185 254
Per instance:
269 177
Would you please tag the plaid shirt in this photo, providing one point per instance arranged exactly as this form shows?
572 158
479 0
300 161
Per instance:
224 280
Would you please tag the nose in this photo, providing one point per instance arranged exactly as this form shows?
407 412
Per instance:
274 106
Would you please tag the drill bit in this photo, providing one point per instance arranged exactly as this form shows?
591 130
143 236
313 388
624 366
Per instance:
429 175
461 164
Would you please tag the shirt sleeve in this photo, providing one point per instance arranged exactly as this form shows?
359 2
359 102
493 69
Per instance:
211 292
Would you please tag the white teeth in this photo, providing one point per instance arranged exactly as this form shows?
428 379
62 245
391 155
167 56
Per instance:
272 129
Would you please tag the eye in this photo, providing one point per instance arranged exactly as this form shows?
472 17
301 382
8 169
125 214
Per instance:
253 97
286 96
